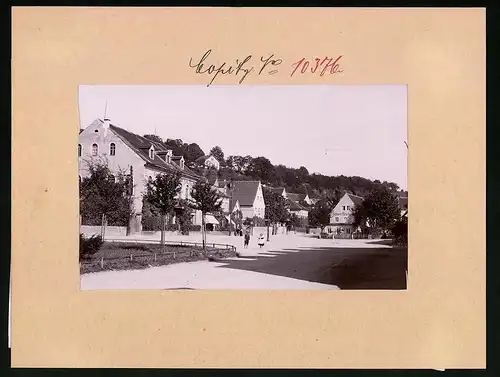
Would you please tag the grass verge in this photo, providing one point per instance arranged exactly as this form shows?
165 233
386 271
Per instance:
131 256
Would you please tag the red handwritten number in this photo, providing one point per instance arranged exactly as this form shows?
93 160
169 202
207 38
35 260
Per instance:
304 66
316 66
331 66
297 65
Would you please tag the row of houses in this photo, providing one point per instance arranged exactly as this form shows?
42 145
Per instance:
143 159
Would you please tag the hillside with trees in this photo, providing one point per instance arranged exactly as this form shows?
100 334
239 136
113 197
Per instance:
297 180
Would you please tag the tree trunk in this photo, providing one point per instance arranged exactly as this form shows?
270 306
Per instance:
203 230
162 239
103 226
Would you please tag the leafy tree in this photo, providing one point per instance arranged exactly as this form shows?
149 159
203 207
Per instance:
154 138
105 197
295 220
276 208
400 231
332 197
239 164
319 215
177 146
193 152
185 217
380 210
206 200
162 193
261 168
218 154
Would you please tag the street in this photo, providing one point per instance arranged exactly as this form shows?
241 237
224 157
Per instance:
286 262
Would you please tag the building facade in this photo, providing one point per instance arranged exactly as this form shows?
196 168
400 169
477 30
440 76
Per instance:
250 198
132 154
341 217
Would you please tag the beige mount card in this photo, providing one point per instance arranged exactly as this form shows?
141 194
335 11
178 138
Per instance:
438 322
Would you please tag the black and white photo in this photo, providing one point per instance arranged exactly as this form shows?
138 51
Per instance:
243 187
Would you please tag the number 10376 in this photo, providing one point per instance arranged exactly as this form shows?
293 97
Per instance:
321 66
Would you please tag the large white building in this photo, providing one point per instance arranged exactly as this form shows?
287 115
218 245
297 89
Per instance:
128 152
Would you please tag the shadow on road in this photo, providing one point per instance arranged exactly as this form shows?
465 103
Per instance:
347 268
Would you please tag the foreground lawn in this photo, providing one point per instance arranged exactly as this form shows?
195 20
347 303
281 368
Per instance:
131 256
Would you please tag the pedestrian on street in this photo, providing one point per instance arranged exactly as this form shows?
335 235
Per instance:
247 240
261 240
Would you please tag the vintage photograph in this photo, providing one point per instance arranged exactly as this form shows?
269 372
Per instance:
257 187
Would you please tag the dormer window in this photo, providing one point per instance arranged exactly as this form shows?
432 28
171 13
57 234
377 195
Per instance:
152 153
181 163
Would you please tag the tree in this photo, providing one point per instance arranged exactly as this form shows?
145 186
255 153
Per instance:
184 217
276 208
193 152
319 215
332 197
162 193
105 198
154 138
206 200
261 168
218 154
380 210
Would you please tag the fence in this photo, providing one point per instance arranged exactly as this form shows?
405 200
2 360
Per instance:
142 255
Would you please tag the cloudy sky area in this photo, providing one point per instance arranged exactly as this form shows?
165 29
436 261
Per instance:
329 129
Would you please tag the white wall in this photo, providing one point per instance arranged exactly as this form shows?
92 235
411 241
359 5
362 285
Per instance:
259 205
342 213
123 159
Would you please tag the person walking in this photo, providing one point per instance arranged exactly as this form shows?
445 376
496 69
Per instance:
247 240
261 240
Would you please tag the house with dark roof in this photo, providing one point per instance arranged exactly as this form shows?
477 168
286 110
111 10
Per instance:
250 198
296 208
136 155
341 217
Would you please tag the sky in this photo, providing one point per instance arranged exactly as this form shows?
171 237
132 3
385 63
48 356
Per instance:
351 130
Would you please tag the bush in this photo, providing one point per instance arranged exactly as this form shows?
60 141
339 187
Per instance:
195 228
89 246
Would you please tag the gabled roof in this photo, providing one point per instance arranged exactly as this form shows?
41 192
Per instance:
357 200
294 206
296 197
245 191
141 145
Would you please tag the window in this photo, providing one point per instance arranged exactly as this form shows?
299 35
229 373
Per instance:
95 149
79 179
182 164
343 208
336 219
79 150
112 149
187 192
